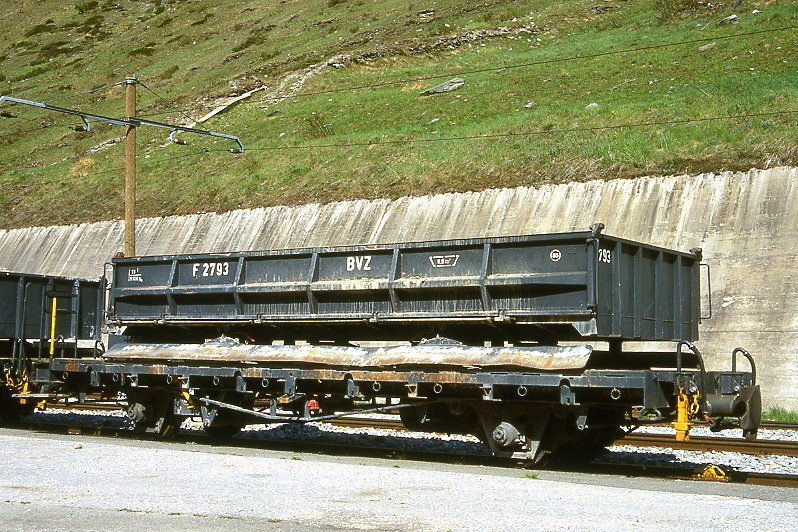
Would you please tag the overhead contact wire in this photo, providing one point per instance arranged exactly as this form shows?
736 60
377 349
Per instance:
174 107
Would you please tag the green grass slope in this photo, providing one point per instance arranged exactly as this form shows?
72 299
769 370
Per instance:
330 140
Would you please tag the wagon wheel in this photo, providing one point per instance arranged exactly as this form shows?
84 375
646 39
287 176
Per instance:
154 415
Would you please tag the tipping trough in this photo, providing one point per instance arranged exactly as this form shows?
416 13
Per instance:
568 286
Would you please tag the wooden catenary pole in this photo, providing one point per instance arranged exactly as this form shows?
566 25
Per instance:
130 167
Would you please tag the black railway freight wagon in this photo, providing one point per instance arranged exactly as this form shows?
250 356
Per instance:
42 317
517 340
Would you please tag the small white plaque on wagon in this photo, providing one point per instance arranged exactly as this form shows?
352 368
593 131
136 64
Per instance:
443 261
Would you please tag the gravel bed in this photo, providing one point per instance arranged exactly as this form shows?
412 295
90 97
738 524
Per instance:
762 434
98 418
362 436
316 432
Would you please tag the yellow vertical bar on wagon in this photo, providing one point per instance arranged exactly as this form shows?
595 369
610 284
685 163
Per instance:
52 326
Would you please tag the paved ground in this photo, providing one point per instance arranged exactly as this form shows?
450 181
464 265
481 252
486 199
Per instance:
54 482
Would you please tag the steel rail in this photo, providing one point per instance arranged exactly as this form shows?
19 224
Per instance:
635 439
695 443
712 444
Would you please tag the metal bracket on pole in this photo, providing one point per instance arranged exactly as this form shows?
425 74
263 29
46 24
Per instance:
126 121
84 128
174 139
100 118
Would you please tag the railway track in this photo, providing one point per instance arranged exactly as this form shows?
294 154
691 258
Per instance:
778 425
695 443
712 444
635 439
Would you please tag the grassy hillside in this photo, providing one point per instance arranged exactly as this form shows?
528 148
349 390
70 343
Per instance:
325 142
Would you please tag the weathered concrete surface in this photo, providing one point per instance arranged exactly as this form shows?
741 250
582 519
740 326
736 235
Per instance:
747 224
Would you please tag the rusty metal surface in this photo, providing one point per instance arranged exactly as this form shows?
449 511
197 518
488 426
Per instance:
547 358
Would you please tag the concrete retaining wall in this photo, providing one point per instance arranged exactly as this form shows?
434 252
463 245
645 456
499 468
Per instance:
747 224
